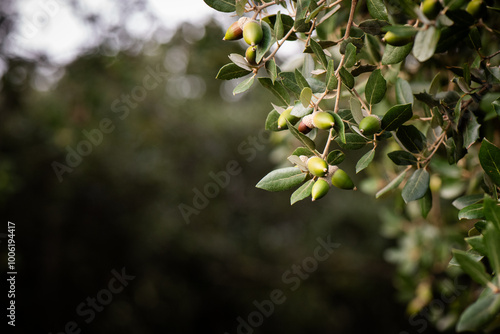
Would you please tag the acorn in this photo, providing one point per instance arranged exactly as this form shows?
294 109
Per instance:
286 115
317 166
341 180
323 120
304 128
251 55
252 33
234 32
320 189
476 8
306 124
369 125
431 8
397 40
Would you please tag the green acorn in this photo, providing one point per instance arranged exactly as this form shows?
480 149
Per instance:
341 180
431 8
397 40
319 189
369 125
286 115
252 33
234 32
251 55
317 166
476 8
323 120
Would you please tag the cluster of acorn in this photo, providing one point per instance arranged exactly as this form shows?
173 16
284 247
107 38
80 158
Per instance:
327 175
431 9
251 31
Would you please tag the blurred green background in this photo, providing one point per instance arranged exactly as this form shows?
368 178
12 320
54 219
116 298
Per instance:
119 206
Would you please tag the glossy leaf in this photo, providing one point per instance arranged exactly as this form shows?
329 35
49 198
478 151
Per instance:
302 7
395 54
272 121
288 80
473 268
240 7
474 211
492 211
492 242
404 94
377 9
416 186
350 55
318 51
335 157
231 71
302 151
373 26
301 80
353 142
277 89
402 158
272 70
347 78
471 133
425 43
282 179
356 110
305 97
489 157
244 85
339 127
300 111
266 42
477 244
365 160
240 61
302 192
426 203
279 29
392 185
467 200
411 138
396 116
479 314
376 87
331 79
226 6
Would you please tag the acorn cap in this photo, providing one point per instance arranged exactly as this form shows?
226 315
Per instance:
234 32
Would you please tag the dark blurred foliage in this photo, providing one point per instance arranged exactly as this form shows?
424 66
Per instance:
119 207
